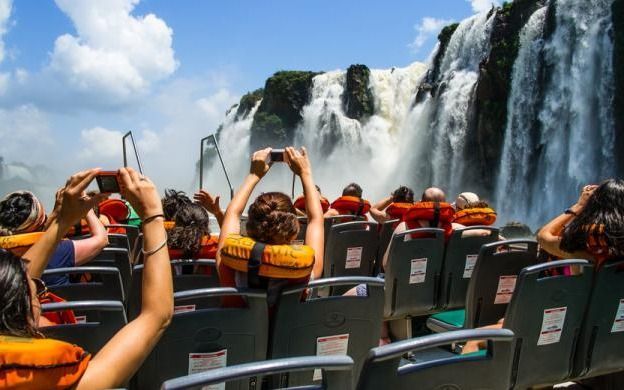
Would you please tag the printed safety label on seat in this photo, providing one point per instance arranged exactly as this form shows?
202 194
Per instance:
470 263
418 271
183 309
618 324
354 257
205 361
330 345
506 286
552 325
81 319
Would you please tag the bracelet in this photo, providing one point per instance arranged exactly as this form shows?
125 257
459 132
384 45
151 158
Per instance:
153 217
159 247
570 212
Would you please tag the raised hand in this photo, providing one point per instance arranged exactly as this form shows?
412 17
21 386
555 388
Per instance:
72 201
209 202
140 192
586 193
298 161
259 165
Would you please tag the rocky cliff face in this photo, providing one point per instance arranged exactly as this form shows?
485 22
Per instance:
493 87
358 100
285 94
618 69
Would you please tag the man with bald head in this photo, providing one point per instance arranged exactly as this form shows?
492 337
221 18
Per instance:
433 194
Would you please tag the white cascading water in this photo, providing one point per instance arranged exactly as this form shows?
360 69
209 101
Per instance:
575 117
372 153
514 171
452 105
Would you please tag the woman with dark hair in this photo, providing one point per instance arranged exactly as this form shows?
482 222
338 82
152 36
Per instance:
390 207
272 218
172 202
592 228
21 212
27 360
191 226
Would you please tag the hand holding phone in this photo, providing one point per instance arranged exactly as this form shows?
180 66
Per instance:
277 155
108 182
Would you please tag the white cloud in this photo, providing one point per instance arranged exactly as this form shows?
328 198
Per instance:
5 14
114 52
25 134
100 143
479 6
427 28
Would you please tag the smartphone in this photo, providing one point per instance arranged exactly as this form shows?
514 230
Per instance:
107 182
277 155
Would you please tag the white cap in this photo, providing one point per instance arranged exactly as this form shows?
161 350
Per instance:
465 198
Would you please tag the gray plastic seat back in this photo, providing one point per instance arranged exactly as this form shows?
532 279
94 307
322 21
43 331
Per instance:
335 370
601 344
132 232
104 284
120 241
493 279
386 230
115 257
412 274
310 327
98 323
545 314
204 276
208 337
303 228
485 371
351 249
459 259
338 219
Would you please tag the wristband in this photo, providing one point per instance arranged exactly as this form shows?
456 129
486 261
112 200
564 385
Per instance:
569 211
153 217
159 247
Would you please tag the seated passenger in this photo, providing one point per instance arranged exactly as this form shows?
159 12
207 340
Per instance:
300 203
272 220
475 213
21 212
394 206
464 199
190 237
30 361
350 203
172 201
592 228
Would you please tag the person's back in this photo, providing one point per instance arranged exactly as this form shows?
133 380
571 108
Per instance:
393 206
350 203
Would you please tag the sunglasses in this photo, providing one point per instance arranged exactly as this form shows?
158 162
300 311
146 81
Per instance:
40 287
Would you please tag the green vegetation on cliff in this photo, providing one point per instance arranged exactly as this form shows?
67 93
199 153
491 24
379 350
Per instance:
248 102
285 95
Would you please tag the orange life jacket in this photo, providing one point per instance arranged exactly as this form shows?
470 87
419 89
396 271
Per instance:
396 210
207 250
57 317
300 203
27 363
475 216
351 205
438 214
18 244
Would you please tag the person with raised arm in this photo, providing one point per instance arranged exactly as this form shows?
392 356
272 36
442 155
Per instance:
27 359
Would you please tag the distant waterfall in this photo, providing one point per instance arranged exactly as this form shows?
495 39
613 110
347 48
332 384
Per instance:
522 114
458 75
575 135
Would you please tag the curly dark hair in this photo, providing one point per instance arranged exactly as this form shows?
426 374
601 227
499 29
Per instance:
604 208
16 316
353 189
14 210
191 224
272 219
403 194
172 201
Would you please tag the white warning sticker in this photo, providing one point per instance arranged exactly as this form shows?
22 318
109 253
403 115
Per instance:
506 286
205 361
183 309
330 345
618 324
81 319
552 325
354 257
470 263
418 270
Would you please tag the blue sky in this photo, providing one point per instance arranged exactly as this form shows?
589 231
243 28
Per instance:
74 74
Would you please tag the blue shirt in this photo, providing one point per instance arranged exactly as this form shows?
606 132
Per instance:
64 256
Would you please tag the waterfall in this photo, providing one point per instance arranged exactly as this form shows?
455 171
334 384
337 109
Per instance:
372 152
452 103
575 134
518 144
